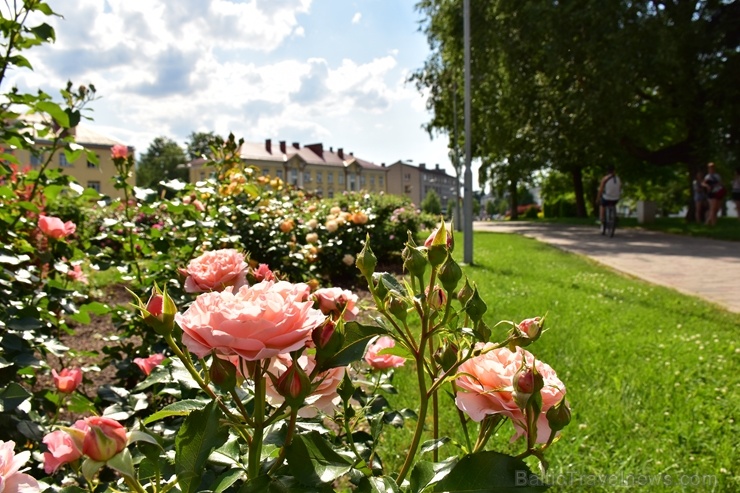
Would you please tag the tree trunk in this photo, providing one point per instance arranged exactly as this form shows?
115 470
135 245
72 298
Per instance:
577 176
514 200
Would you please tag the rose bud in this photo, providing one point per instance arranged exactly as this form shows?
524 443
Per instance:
223 373
293 385
437 299
449 275
159 312
366 260
475 307
465 293
558 416
105 438
67 380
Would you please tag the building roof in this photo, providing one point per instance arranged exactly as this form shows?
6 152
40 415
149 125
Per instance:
83 134
282 151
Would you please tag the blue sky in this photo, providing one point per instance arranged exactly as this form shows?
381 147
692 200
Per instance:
330 71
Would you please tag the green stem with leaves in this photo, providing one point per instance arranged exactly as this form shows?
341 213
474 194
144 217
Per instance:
258 416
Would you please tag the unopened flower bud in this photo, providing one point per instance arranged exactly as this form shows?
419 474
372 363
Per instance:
437 298
104 439
398 307
414 261
465 293
293 385
475 307
223 373
159 312
449 275
381 290
446 356
366 260
558 416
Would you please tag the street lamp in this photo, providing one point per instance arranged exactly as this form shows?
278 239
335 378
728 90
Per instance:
468 176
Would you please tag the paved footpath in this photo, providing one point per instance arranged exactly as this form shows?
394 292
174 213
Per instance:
700 267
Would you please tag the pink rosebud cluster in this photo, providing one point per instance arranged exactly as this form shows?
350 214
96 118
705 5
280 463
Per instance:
487 386
119 151
67 380
53 227
148 364
96 437
382 361
12 480
337 303
216 270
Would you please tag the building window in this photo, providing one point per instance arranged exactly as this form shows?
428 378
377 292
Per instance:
307 177
331 194
95 185
407 189
407 177
265 172
63 163
380 181
362 181
372 182
294 177
37 159
341 179
319 177
90 164
352 179
280 174
330 177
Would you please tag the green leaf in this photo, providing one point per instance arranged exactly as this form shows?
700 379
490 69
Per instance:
142 436
123 463
25 323
55 111
90 467
79 404
356 338
283 484
44 32
199 435
227 479
489 471
392 284
181 408
380 484
313 461
12 396
431 445
421 476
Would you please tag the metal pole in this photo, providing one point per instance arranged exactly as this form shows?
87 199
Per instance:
456 158
468 177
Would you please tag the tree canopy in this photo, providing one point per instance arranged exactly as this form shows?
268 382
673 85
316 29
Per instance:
163 160
574 88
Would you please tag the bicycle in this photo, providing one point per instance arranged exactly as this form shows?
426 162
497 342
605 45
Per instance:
609 225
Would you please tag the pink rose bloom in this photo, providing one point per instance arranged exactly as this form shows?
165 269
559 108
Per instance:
11 479
214 271
76 274
67 380
263 273
337 301
256 322
148 364
383 361
62 449
55 228
324 397
119 151
531 327
486 385
105 438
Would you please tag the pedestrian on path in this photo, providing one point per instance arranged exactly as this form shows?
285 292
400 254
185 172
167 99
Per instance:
715 191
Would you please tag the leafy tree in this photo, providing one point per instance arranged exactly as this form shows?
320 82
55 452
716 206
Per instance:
199 144
164 160
431 203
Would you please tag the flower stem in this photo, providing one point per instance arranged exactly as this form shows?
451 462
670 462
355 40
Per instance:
288 440
255 448
133 484
423 405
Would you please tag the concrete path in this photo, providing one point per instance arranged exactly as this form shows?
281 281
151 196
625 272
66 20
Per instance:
700 267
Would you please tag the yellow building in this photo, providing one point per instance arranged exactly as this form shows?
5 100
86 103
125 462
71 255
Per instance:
88 174
311 168
416 182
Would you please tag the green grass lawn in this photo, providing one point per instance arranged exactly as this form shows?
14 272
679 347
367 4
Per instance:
653 376
727 228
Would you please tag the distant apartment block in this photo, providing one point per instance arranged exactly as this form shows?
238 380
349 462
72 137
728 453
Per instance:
325 172
416 182
88 174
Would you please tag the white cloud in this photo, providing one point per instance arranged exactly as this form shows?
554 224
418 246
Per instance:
356 18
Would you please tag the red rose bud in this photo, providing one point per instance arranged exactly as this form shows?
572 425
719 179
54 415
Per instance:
437 299
159 312
67 380
293 385
105 438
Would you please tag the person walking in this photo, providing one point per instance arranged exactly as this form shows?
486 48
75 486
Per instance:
700 197
715 192
610 190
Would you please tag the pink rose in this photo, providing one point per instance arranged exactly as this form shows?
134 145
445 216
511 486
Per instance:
67 380
55 228
486 387
263 273
430 240
214 271
105 438
337 301
76 274
11 479
383 361
119 151
148 364
324 396
256 322
62 449
531 327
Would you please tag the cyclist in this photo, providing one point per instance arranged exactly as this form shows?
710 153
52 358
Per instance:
610 191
